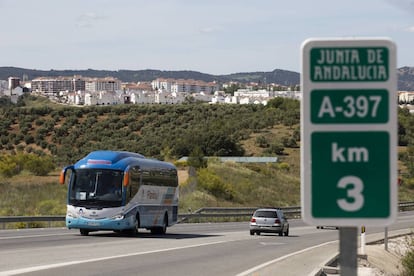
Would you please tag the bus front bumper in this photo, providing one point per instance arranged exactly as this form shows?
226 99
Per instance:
100 224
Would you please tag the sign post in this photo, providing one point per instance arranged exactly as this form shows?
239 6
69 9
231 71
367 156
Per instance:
349 132
349 137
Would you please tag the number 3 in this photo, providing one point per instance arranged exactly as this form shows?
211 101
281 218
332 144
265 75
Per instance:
355 192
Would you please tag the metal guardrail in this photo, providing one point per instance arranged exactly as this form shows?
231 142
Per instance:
206 212
404 206
213 212
28 220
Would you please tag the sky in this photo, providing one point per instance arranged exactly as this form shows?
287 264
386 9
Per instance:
209 36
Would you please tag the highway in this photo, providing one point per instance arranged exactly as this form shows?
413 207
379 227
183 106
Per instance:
186 249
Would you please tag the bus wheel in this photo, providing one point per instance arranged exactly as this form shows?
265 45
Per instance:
165 225
135 230
163 229
84 232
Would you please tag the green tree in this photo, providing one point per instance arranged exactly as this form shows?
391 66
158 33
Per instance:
196 158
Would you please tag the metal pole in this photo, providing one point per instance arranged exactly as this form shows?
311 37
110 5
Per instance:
386 239
348 250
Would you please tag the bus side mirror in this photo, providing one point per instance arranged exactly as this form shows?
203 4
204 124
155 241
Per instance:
62 175
126 178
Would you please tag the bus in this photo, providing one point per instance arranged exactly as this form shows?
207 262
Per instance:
120 191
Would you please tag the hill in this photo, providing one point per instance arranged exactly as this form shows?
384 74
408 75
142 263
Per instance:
68 133
406 79
282 77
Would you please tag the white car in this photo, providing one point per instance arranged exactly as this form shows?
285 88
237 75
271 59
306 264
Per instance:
269 221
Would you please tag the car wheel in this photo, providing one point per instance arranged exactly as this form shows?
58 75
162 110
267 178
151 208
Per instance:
258 233
287 231
84 232
251 232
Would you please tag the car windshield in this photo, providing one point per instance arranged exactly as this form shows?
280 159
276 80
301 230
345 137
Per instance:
265 214
96 188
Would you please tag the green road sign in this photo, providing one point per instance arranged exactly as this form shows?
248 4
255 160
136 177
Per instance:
349 106
349 132
350 172
360 64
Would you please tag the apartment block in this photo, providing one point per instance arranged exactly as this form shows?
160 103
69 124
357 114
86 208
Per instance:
102 84
184 86
55 85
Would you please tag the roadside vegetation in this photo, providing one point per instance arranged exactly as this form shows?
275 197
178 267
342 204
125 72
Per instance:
38 138
408 261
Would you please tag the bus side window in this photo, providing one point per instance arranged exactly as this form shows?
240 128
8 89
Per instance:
134 182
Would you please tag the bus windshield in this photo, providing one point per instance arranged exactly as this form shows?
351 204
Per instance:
96 188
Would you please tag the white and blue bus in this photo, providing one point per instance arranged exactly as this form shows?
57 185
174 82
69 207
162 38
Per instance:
120 191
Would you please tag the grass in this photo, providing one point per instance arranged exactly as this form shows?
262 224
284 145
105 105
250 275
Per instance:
28 195
243 185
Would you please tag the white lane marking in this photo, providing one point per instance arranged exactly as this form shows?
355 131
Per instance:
253 269
34 236
43 267
272 243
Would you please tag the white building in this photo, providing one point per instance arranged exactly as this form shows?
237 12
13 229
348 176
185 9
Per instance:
102 84
3 85
184 86
254 93
231 100
405 97
163 97
102 98
142 97
162 84
202 97
54 85
218 99
15 93
76 98
13 82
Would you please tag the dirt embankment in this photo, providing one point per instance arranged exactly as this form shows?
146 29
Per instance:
182 176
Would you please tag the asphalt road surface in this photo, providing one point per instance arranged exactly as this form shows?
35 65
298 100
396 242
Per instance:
186 249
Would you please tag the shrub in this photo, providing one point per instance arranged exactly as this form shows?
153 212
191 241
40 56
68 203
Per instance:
408 261
283 166
262 142
38 165
214 185
275 148
8 166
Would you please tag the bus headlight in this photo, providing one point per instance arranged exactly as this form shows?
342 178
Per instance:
118 217
72 214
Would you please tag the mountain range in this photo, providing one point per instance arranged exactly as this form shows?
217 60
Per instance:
278 76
